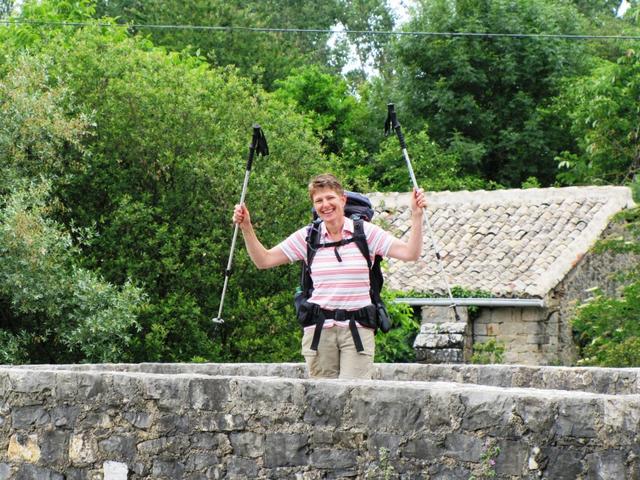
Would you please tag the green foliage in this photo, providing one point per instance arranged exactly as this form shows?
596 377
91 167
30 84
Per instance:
606 328
160 174
53 309
531 182
488 458
483 99
397 345
263 329
262 56
436 169
325 98
603 113
6 8
57 312
491 351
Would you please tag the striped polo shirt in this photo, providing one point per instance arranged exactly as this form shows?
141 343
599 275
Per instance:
339 285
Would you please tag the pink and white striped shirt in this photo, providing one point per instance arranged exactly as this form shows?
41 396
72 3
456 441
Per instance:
339 285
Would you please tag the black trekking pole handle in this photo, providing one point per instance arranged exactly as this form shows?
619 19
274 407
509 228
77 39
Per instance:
258 143
392 120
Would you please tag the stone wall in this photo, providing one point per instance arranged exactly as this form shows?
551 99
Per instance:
268 421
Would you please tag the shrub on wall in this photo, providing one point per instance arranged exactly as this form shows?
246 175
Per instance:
606 328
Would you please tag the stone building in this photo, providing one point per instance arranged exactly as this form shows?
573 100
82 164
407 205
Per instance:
527 251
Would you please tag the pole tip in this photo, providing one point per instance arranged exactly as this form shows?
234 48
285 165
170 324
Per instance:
217 320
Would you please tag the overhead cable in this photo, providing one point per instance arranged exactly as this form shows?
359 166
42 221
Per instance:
212 28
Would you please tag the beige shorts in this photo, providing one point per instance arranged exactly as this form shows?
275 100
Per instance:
337 356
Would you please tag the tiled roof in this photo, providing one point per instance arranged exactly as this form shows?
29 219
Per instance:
512 243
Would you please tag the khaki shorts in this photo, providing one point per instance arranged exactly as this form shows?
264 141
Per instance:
337 356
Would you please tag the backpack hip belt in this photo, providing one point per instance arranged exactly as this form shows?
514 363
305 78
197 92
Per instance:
365 316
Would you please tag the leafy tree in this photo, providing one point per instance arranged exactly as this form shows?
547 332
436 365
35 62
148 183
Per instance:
325 99
53 310
606 327
436 169
482 97
262 56
603 115
163 169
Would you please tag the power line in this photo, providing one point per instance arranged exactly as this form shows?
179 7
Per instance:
550 36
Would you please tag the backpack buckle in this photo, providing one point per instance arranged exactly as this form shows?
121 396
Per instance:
340 316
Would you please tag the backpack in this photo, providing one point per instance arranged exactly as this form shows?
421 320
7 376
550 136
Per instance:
358 207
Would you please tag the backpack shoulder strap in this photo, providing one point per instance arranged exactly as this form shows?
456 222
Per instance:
361 240
313 233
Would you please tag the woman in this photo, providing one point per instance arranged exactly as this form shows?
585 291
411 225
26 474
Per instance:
340 281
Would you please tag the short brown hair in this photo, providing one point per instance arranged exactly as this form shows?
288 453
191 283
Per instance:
325 180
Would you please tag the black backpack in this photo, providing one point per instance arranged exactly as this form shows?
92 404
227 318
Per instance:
358 207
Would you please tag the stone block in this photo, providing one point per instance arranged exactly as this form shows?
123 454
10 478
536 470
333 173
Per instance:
27 471
202 461
247 444
513 459
438 340
115 470
5 471
218 422
285 449
578 418
54 446
121 447
23 417
423 448
242 468
324 408
163 444
388 441
65 416
82 449
169 395
562 463
444 355
23 447
464 447
141 420
327 458
433 314
167 469
608 464
448 327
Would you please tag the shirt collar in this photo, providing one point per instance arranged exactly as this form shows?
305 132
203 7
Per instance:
346 228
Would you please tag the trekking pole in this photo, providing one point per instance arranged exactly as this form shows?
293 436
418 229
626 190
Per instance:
392 123
259 145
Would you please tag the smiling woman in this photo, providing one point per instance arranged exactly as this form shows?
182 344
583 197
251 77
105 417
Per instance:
339 317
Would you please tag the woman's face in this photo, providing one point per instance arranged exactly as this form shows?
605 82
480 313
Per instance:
329 204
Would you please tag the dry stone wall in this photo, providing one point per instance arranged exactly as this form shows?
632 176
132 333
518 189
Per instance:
268 421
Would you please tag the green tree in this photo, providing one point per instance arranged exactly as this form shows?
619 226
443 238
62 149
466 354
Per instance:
53 310
163 169
325 99
263 56
602 113
434 168
606 327
483 98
